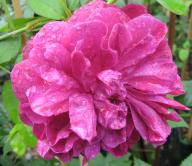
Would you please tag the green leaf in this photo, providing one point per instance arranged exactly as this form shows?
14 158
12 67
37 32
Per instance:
6 161
176 6
183 54
187 161
9 48
52 9
98 160
123 161
20 137
186 99
18 145
83 2
73 4
19 58
6 148
74 162
25 132
138 162
178 124
10 102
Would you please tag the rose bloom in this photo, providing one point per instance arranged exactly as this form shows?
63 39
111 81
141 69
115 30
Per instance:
98 81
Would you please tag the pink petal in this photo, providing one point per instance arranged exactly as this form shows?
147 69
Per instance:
65 145
57 128
32 116
124 38
25 75
134 10
44 150
39 131
91 151
112 116
82 116
154 129
48 101
113 138
65 157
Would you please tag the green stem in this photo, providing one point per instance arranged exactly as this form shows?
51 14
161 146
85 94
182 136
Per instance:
30 26
9 19
111 1
13 33
4 69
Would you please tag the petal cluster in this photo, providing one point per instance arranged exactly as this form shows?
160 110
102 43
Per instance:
98 81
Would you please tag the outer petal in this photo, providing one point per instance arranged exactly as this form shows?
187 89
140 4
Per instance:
44 150
82 116
25 75
65 157
25 109
151 75
48 101
134 10
113 138
112 116
57 128
125 37
65 145
148 123
98 10
51 98
92 150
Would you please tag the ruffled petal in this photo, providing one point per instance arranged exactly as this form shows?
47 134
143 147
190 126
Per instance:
134 10
149 124
82 116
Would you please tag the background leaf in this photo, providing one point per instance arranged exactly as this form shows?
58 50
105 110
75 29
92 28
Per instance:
187 161
176 6
21 137
123 161
48 8
138 162
10 102
9 48
186 99
178 124
73 4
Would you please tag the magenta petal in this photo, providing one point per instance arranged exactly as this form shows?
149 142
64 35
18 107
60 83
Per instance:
44 150
65 157
25 75
112 116
82 116
169 115
156 128
113 138
83 65
64 145
134 10
124 38
92 150
121 150
57 128
48 101
32 116
168 102
57 56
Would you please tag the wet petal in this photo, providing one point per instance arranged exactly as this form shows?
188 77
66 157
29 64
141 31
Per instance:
82 116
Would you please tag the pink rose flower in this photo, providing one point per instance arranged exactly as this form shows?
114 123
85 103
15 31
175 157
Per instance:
98 81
